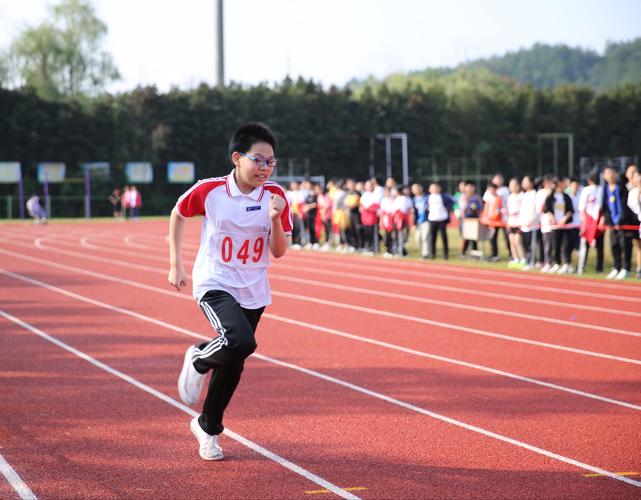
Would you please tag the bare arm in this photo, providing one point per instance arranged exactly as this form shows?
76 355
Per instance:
278 240
177 275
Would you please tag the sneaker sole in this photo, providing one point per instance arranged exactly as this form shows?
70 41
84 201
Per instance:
183 377
216 458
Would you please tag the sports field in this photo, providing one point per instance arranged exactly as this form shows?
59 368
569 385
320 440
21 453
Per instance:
373 378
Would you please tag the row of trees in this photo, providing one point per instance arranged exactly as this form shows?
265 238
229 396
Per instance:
543 66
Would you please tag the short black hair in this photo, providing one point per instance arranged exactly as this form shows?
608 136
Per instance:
249 134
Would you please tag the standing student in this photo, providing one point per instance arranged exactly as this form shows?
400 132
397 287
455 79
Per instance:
502 192
492 216
529 221
557 212
135 202
420 200
244 218
310 211
630 174
472 210
634 203
513 209
369 218
439 207
616 213
590 202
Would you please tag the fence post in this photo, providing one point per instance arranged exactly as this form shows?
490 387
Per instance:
87 194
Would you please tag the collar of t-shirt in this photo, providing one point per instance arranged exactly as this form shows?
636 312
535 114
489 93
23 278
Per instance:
234 190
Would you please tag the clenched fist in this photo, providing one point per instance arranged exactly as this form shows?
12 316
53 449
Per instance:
276 206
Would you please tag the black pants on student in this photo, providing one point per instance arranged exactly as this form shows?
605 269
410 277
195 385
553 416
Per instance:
621 246
225 354
435 228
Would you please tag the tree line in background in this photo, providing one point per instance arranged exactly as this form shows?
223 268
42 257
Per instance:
543 66
471 113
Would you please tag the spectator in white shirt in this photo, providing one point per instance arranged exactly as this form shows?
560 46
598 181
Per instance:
513 205
439 206
590 201
529 220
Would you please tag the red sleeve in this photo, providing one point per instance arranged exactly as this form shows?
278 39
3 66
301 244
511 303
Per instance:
286 216
193 201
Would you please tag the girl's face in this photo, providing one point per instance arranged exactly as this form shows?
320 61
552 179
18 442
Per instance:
527 183
249 174
515 187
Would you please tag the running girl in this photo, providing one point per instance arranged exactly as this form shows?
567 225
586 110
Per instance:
243 214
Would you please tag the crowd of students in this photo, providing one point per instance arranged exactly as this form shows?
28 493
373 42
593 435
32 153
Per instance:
544 221
126 204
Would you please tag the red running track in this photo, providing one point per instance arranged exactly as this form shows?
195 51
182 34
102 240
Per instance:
358 398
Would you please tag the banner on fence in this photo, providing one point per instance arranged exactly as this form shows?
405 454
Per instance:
51 172
10 172
97 168
180 172
139 172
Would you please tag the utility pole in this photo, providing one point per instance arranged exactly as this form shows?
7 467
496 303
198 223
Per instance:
219 45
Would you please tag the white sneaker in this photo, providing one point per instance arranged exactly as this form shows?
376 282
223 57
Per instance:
545 268
526 267
563 269
623 274
554 268
190 382
613 274
208 447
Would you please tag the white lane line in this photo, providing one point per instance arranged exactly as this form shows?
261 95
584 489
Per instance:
396 402
468 279
15 481
452 421
432 286
468 270
576 324
457 328
329 331
163 397
448 326
445 303
348 385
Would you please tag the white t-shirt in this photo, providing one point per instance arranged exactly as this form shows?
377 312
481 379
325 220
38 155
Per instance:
528 213
379 191
545 219
634 202
234 240
403 204
387 205
437 210
590 201
576 216
368 198
513 209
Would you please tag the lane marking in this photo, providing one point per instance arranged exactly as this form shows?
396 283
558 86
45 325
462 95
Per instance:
448 326
618 473
320 492
453 421
411 407
467 280
432 286
444 303
430 266
403 268
14 480
320 329
169 400
457 328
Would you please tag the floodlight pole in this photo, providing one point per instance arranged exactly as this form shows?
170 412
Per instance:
219 46
388 153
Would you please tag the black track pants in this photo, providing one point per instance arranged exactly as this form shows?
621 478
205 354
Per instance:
225 354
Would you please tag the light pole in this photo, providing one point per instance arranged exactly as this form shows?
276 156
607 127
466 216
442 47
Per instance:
219 44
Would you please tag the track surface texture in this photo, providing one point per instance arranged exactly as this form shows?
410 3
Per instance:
372 379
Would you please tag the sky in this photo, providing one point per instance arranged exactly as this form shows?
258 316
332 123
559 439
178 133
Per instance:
171 43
